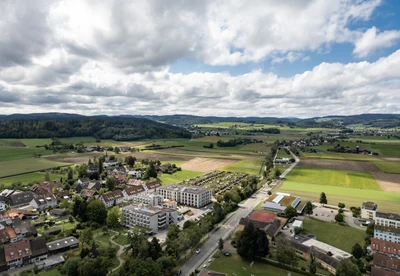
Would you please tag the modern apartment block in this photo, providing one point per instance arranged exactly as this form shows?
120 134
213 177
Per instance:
188 195
387 227
368 210
155 217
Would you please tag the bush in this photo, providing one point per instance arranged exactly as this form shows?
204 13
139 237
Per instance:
341 205
94 225
341 211
298 230
339 217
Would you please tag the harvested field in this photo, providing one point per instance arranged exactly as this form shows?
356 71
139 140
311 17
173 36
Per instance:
206 164
357 166
388 182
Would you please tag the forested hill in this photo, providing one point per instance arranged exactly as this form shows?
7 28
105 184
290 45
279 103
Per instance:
71 125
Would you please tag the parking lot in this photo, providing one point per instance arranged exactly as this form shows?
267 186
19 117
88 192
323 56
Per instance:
324 214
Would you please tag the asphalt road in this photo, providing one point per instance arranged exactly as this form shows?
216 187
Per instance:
197 260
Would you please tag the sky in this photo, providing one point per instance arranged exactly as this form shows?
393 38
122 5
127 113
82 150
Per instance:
292 58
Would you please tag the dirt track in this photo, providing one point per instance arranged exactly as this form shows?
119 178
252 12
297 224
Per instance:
206 164
329 164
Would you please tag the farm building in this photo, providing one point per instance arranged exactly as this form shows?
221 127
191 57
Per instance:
279 202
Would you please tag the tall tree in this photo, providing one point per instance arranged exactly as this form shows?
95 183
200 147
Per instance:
110 183
86 236
96 211
252 242
113 217
313 264
322 199
130 161
101 165
347 268
220 244
46 176
285 252
290 212
70 174
357 251
309 208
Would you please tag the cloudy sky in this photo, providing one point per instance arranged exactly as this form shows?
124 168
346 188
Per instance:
227 58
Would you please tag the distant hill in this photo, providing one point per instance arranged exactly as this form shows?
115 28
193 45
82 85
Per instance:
369 120
49 125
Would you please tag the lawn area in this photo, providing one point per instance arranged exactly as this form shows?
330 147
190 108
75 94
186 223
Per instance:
27 165
234 264
340 236
387 201
282 154
177 177
249 166
36 177
350 179
121 239
105 238
51 272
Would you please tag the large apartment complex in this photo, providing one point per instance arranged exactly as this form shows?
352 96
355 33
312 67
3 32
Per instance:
387 227
188 195
155 217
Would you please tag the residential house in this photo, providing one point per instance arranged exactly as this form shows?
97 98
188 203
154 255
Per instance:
131 191
135 182
112 199
135 174
78 187
110 163
39 250
23 228
41 203
93 168
94 185
165 167
58 212
386 263
20 199
45 189
15 213
124 149
62 245
88 193
84 182
18 253
8 235
153 185
120 179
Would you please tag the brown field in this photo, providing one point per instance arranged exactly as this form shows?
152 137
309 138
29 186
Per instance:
208 139
331 164
79 158
388 182
206 164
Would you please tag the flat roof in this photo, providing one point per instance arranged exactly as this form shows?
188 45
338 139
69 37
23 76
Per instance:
336 252
262 216
284 200
297 223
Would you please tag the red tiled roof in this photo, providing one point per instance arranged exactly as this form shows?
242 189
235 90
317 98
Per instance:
134 182
385 246
263 216
17 250
153 184
112 196
386 261
134 190
375 271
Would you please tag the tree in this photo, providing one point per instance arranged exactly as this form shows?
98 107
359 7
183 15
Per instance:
252 242
167 263
46 176
67 187
347 268
341 205
70 268
96 211
285 252
269 193
113 217
83 171
93 266
277 172
322 199
309 208
313 264
290 212
101 165
150 171
130 161
70 174
110 183
357 251
339 217
211 146
86 236
220 244
116 150
54 190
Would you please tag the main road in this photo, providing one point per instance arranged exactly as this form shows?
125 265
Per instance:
197 260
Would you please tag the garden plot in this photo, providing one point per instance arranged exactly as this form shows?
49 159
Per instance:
357 166
206 164
218 181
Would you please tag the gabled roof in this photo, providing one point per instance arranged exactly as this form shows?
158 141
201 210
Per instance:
385 246
134 190
38 247
112 196
135 182
6 234
21 198
387 261
88 193
153 184
376 271
17 250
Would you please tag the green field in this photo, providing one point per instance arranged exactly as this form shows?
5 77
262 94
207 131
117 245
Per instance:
177 177
235 264
340 236
28 178
386 166
14 167
338 156
282 154
387 201
8 153
245 166
339 178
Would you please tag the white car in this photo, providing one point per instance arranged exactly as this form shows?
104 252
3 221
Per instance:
198 251
210 260
204 265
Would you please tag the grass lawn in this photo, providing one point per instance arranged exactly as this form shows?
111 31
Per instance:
387 201
105 238
36 177
342 237
235 263
177 177
51 272
387 166
121 239
249 166
282 154
27 165
339 178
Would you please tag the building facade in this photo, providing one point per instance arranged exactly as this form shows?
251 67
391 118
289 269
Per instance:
387 227
368 210
188 195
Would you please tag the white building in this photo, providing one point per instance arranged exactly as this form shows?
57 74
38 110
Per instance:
368 210
387 227
152 199
187 195
110 163
112 199
154 218
131 191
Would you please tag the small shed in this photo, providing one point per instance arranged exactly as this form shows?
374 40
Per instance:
297 223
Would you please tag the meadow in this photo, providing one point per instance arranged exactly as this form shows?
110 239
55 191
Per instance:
28 178
245 166
340 236
177 177
387 201
21 166
340 178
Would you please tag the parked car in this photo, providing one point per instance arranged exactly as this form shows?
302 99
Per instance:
179 272
227 254
198 251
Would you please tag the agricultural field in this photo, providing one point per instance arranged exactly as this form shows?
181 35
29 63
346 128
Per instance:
248 166
177 177
8 153
282 154
234 266
28 178
15 167
330 164
387 166
205 164
387 201
388 182
340 236
341 178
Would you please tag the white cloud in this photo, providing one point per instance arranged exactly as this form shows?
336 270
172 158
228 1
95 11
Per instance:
372 40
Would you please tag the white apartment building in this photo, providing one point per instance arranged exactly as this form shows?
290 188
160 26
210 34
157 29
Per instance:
387 227
187 195
152 199
155 218
368 210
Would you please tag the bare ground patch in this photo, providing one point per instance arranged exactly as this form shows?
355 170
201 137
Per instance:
331 164
388 182
206 164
